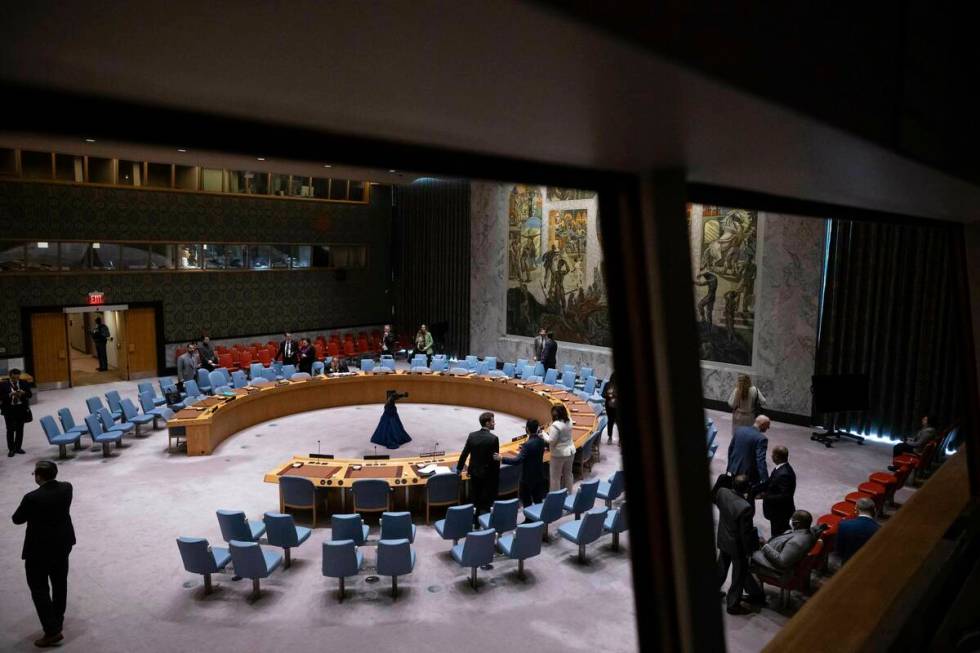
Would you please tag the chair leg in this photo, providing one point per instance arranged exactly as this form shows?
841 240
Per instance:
394 587
62 452
288 560
581 553
105 449
207 584
615 545
520 569
78 445
256 589
473 579
341 589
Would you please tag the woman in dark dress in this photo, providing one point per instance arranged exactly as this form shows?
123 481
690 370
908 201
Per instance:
390 432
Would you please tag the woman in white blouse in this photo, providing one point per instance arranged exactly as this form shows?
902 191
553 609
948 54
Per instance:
559 439
744 401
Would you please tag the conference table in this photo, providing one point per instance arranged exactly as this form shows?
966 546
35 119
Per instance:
206 424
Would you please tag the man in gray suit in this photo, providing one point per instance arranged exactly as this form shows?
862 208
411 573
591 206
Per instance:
539 343
737 539
186 367
747 453
782 553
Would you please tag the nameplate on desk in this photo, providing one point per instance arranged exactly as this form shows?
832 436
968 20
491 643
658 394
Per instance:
380 456
432 454
518 438
322 455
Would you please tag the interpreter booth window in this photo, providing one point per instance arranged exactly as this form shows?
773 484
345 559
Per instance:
130 173
248 182
258 257
300 187
105 256
135 256
191 257
280 184
235 257
214 256
162 257
301 256
11 256
42 256
320 255
75 256
279 256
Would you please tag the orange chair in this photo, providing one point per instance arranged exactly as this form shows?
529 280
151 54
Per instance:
320 350
225 360
349 348
265 357
845 509
854 496
796 579
363 346
245 359
909 459
829 536
333 349
877 492
890 481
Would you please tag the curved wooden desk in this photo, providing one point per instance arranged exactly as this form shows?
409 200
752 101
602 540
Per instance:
213 420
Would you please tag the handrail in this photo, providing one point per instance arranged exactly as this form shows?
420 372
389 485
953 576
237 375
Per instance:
867 599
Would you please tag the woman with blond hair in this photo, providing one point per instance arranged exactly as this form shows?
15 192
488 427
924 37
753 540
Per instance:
745 401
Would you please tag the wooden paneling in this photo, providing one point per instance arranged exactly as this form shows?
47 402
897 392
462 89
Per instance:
50 347
141 342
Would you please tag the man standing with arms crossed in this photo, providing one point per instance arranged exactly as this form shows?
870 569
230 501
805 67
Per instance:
47 544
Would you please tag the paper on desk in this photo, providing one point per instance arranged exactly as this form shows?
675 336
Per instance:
433 468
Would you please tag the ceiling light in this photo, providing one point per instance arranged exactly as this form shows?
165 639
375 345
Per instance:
89 140
327 165
260 158
392 171
42 245
96 246
181 149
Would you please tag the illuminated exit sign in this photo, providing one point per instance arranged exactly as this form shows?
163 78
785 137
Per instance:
95 298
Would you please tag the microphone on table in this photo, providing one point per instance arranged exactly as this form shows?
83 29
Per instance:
318 447
375 452
435 449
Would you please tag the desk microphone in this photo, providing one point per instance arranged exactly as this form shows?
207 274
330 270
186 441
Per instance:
318 447
375 453
435 449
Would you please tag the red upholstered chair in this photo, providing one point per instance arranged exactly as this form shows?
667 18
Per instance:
349 348
854 496
321 350
845 509
225 360
890 481
333 349
829 536
245 359
798 579
265 357
363 346
876 490
910 459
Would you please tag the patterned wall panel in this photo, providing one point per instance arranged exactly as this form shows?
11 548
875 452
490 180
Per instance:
223 303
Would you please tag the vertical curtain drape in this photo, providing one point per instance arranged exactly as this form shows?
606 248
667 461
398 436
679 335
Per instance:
432 273
890 311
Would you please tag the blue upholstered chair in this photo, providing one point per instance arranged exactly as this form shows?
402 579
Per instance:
252 562
192 392
282 531
615 523
420 367
204 381
297 492
585 372
397 526
277 366
341 559
146 386
470 362
94 405
548 511
496 374
238 379
491 362
475 551
108 424
519 365
509 370
371 495
533 378
299 376
286 371
584 499
255 370
482 368
440 365
568 380
367 364
156 412
168 386
588 389
395 558
115 403
568 369
260 380
523 543
132 415
583 455
584 531
458 522
509 480
318 368
441 490
218 379
269 374
538 369
99 436
68 424
388 362
57 438
200 558
348 527
234 526
551 376
502 516
611 489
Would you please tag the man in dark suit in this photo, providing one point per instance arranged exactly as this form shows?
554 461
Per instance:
534 481
539 341
306 355
49 539
747 453
338 365
14 398
287 350
549 352
387 342
777 502
853 533
737 539
100 336
482 449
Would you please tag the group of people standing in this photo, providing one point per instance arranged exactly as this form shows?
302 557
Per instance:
546 349
482 451
201 354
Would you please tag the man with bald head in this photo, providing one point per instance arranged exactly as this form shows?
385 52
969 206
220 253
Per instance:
747 453
777 501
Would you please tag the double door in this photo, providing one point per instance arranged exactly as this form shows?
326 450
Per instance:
132 350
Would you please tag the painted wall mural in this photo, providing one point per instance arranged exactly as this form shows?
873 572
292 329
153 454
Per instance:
555 276
724 281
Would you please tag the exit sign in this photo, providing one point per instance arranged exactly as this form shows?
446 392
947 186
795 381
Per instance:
95 298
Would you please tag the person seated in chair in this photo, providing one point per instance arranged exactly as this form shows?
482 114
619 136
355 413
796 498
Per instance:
853 533
782 553
916 443
338 365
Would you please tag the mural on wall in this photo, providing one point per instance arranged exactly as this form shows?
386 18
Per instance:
552 280
725 282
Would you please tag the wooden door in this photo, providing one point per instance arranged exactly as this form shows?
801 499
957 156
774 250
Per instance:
141 342
49 338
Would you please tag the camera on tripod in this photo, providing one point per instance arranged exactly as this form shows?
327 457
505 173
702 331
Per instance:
391 396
